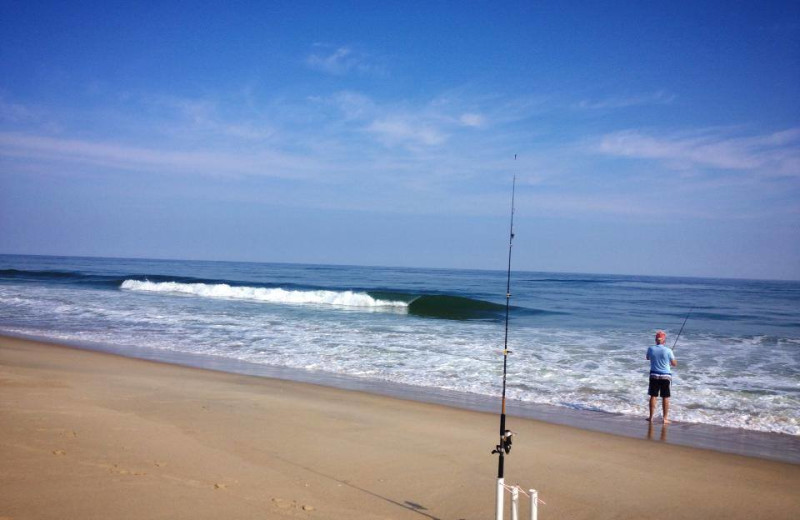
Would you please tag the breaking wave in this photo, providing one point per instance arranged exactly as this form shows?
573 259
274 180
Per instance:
440 306
264 294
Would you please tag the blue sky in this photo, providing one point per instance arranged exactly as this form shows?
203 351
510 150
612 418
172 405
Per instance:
652 138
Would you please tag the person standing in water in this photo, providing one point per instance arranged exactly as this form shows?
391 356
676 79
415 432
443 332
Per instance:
661 359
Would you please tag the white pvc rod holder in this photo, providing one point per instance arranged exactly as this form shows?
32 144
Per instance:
498 512
534 504
515 503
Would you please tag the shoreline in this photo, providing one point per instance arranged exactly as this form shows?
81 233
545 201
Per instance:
87 434
751 443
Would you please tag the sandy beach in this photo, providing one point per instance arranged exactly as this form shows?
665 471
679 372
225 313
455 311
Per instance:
89 435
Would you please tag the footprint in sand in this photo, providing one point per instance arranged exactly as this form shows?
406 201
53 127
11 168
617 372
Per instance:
291 504
59 452
283 503
120 471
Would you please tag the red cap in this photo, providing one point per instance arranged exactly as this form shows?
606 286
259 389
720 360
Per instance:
661 335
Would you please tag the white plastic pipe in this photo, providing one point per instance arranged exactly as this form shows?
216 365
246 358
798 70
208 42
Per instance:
499 499
534 504
515 503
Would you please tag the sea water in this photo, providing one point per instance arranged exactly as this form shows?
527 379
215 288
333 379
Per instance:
578 341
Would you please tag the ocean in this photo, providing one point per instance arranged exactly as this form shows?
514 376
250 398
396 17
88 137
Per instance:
578 341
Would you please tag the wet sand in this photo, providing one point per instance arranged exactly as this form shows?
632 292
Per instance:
93 435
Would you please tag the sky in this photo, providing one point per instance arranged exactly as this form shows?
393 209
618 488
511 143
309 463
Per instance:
651 138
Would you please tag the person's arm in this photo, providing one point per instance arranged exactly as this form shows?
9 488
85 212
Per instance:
647 357
672 361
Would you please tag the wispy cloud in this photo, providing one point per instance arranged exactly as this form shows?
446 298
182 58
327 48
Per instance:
474 120
427 124
409 154
353 105
15 112
656 98
19 115
207 116
773 154
332 139
396 130
137 158
340 60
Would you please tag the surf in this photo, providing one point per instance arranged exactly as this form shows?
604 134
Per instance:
437 306
264 294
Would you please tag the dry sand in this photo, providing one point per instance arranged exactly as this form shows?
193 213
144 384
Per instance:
88 435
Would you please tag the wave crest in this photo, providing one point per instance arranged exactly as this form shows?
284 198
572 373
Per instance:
263 294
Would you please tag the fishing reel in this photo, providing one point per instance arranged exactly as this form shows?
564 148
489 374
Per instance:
505 443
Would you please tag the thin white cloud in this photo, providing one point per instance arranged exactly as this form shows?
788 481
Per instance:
15 112
775 154
339 61
134 158
656 98
474 120
408 125
203 116
395 130
409 149
354 105
247 131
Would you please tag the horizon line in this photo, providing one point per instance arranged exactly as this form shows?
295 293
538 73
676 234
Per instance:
274 262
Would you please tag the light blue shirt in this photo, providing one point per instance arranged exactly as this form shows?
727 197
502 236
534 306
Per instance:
660 357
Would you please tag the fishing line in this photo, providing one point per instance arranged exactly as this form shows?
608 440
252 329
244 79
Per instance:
684 324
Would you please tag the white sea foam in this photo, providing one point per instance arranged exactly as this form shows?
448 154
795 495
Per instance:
261 294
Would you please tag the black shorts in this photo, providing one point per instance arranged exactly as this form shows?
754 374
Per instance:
659 386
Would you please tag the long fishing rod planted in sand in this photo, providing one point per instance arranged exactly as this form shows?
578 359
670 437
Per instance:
504 447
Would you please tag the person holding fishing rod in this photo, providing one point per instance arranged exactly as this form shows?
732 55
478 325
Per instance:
661 359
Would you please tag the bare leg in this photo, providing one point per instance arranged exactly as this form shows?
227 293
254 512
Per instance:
665 406
653 402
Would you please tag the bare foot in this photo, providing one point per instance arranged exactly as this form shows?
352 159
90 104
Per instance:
649 419
667 421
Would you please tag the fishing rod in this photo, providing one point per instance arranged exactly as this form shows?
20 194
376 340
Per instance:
504 447
682 326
